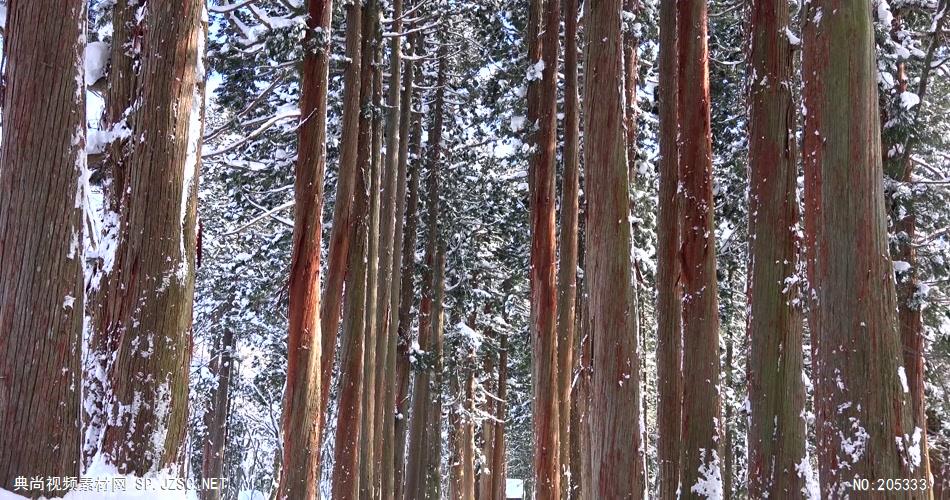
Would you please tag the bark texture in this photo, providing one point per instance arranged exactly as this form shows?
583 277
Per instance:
145 313
668 281
776 435
42 195
616 455
302 412
567 263
343 217
543 270
864 420
700 463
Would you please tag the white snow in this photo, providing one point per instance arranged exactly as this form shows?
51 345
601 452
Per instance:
909 100
535 71
97 57
901 266
792 38
514 488
709 483
884 12
903 376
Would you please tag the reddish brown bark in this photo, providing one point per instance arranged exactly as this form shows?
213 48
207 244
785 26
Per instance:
776 435
348 472
343 217
388 302
542 268
700 463
373 348
669 292
42 163
145 313
864 421
302 412
567 263
405 306
616 464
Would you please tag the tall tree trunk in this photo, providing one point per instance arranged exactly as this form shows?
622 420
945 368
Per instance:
616 464
489 370
216 418
499 459
436 247
542 111
42 195
668 281
567 263
338 254
404 325
860 412
394 194
146 310
422 471
302 412
699 467
347 469
368 436
776 435
580 401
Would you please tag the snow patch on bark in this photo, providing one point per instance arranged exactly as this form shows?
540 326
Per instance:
709 483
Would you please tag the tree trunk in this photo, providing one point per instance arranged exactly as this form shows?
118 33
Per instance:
488 424
422 471
216 418
776 435
145 313
616 464
542 110
580 401
860 412
343 216
699 467
302 413
668 280
373 48
347 469
567 263
42 195
404 324
388 302
499 461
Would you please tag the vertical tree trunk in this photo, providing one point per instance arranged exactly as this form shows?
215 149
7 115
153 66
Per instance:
422 471
394 194
488 424
776 435
864 422
343 217
616 464
302 413
146 310
543 110
405 306
373 47
216 418
668 281
499 461
436 247
700 466
42 195
567 263
348 471
580 401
